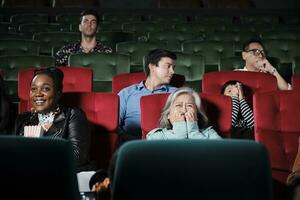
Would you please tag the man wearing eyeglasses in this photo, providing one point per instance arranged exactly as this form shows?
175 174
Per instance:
255 61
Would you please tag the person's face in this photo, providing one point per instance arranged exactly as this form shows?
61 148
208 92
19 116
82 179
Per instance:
164 71
254 53
231 90
42 95
182 104
88 25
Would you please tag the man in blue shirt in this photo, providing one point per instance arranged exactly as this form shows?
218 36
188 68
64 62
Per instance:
159 68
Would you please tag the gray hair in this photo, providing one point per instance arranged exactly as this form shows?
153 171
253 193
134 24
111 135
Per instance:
202 118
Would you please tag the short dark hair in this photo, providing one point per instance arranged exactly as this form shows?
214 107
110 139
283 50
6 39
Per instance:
56 75
90 12
252 40
99 176
154 57
231 82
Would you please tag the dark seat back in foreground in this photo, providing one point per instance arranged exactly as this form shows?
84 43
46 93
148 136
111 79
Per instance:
37 168
192 169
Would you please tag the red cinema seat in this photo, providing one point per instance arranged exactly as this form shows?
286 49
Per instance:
217 107
102 111
277 126
212 82
296 82
121 81
76 79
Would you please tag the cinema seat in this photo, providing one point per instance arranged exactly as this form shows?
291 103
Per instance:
217 107
296 65
121 81
277 126
19 47
189 169
296 82
136 51
104 67
252 82
102 111
38 163
71 83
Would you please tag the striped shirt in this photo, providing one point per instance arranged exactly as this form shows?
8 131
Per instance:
242 115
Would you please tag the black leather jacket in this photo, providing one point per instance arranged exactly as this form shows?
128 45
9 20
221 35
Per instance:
76 130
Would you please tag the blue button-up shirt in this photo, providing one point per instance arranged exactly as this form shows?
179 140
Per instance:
129 116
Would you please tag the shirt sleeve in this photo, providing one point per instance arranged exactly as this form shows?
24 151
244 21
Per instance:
61 57
247 113
179 131
235 111
123 95
208 133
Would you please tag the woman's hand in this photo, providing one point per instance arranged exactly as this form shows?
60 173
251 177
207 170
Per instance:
191 116
240 90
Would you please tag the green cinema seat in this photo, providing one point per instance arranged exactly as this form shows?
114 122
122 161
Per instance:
13 64
137 51
19 47
296 65
48 40
39 27
104 67
111 38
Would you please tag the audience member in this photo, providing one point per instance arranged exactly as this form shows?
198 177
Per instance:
159 68
89 22
255 59
4 109
48 119
183 118
242 114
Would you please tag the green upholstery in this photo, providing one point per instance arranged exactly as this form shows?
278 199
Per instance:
212 50
38 163
5 36
121 17
192 169
173 39
39 27
67 18
142 28
54 39
111 26
259 19
285 50
104 67
192 67
13 64
28 18
137 51
168 19
111 38
281 35
19 47
4 27
231 63
296 65
214 19
194 27
291 19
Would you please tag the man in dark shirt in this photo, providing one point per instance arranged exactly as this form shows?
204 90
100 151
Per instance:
89 21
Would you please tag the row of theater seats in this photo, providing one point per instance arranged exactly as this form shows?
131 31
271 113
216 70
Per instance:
276 112
105 66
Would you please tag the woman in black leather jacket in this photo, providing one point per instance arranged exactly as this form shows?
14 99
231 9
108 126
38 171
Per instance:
48 119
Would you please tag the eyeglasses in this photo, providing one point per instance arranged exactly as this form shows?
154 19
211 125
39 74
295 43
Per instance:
257 52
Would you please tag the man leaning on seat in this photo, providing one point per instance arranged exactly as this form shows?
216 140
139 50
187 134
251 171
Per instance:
255 60
89 24
159 67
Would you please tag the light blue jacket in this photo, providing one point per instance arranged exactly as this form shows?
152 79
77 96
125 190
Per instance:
183 130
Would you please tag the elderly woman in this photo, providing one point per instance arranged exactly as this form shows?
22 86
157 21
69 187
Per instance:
48 119
183 118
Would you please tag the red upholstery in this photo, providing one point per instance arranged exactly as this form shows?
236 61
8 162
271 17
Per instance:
76 79
296 82
121 81
218 109
102 111
277 125
212 82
